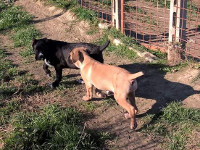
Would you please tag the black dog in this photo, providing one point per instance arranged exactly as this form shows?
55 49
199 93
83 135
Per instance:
56 54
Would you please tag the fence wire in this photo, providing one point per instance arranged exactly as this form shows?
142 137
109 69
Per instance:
102 8
148 22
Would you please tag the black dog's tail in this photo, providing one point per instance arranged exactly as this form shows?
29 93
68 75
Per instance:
104 46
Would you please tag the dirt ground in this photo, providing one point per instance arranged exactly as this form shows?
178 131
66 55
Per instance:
155 89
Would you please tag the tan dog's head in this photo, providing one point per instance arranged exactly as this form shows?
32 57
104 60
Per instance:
76 56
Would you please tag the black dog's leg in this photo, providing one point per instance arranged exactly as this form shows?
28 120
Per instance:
47 71
58 78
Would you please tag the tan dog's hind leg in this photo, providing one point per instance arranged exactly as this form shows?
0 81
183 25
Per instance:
89 88
121 100
131 97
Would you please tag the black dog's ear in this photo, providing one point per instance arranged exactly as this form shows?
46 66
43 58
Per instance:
81 58
34 41
45 39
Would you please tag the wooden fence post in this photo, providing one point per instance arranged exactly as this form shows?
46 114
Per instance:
122 16
177 27
115 13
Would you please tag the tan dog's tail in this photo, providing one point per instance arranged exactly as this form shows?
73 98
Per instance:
135 75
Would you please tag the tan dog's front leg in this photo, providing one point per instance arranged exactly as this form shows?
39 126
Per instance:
89 88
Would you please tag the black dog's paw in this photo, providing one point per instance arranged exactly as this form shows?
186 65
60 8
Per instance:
54 85
48 75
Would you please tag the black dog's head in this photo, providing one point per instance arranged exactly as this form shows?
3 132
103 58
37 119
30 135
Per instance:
39 47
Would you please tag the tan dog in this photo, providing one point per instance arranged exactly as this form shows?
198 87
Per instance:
107 77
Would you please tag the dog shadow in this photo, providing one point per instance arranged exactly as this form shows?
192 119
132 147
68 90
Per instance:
154 86
49 18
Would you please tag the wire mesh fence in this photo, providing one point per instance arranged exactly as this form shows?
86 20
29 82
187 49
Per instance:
147 21
154 23
102 8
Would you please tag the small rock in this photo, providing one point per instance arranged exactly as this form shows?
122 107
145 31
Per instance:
103 25
117 42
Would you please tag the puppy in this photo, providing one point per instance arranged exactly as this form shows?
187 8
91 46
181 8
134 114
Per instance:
107 77
56 54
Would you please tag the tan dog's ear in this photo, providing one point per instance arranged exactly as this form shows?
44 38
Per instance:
81 57
75 56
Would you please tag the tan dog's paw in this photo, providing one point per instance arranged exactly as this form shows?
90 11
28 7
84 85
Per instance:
136 111
100 95
127 116
85 98
134 126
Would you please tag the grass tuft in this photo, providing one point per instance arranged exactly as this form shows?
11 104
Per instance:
24 36
85 14
11 17
63 3
175 123
53 128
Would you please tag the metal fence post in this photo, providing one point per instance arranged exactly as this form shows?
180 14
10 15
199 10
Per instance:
115 13
177 27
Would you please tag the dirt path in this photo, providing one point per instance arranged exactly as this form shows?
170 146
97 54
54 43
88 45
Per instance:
157 89
57 24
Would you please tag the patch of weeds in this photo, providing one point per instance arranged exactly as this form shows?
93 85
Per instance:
196 78
105 2
28 85
24 36
89 106
198 145
102 40
158 54
7 70
3 5
122 51
175 123
7 108
6 91
92 31
53 128
68 83
174 68
161 3
12 17
62 3
109 102
85 14
27 52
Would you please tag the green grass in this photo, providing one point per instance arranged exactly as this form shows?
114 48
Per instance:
109 102
24 36
105 2
89 106
161 3
53 128
174 68
63 3
85 14
15 19
8 108
7 70
12 16
175 124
